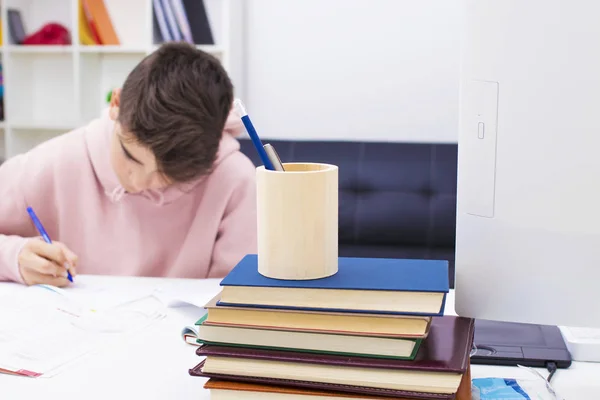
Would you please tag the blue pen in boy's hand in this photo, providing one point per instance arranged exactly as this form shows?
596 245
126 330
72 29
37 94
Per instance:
43 233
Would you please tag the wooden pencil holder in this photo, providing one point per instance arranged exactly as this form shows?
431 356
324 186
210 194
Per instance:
298 221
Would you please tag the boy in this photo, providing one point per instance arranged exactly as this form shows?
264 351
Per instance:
155 187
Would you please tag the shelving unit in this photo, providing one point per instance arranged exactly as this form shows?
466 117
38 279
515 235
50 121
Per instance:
51 89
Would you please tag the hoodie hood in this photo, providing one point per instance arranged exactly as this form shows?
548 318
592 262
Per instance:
98 135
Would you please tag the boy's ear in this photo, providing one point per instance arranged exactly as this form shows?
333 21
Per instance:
115 101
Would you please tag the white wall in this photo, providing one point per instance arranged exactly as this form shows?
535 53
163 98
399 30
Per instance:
237 40
353 69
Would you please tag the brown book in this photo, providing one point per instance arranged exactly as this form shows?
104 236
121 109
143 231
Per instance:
233 390
437 371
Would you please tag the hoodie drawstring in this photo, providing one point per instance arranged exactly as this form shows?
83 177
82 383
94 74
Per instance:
155 196
117 194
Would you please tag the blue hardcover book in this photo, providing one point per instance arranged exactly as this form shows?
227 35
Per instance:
361 285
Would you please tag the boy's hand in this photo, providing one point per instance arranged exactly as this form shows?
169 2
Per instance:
40 262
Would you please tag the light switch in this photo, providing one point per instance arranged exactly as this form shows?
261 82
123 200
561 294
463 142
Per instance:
480 130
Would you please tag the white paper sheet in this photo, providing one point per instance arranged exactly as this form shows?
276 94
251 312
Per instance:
44 329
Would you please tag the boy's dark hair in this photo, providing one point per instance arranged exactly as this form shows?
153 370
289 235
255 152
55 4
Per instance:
176 102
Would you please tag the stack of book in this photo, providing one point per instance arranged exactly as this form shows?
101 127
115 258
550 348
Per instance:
374 330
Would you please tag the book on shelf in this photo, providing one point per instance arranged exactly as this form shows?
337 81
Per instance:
161 28
87 35
176 20
16 26
438 370
180 15
371 285
99 24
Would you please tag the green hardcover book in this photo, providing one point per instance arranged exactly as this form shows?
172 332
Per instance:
309 342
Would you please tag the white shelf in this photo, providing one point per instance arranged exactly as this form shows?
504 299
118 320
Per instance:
212 49
60 127
49 49
113 49
52 89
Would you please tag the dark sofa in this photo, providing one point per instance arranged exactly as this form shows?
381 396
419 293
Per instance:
396 200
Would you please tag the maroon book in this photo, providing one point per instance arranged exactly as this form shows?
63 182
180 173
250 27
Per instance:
446 349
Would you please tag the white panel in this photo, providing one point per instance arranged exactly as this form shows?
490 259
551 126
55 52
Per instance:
214 12
478 146
40 88
25 139
354 69
130 20
537 260
236 65
91 85
101 73
2 144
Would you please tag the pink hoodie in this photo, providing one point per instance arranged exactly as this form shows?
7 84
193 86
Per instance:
199 230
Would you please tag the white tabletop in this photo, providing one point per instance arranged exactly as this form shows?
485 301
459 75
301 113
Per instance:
154 364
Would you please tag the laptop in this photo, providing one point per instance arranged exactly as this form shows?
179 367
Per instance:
509 343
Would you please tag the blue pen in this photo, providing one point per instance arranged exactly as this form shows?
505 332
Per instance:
253 135
42 232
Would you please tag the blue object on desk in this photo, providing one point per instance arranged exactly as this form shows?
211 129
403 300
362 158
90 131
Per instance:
42 231
499 389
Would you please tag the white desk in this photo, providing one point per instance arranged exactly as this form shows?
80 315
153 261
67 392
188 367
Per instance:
154 364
